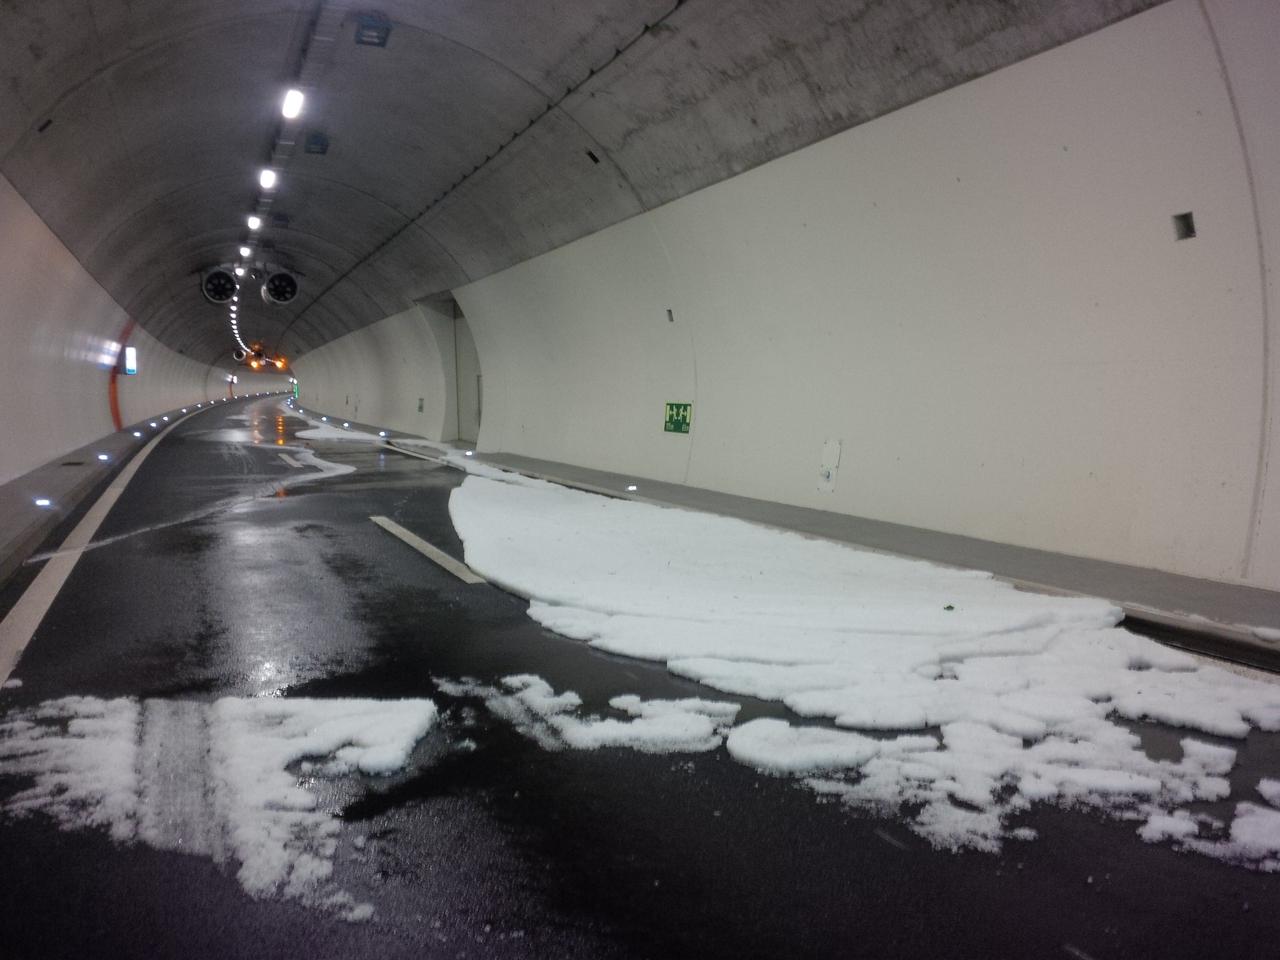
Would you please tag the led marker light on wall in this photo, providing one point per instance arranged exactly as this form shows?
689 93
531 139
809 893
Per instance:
137 433
267 178
43 502
130 360
292 105
103 456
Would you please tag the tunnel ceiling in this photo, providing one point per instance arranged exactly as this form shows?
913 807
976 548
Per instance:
482 133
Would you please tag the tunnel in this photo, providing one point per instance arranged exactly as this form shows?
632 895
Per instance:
648 479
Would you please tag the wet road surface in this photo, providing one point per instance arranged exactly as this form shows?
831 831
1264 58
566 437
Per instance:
225 576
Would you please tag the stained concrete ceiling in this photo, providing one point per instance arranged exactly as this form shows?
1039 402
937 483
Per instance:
483 133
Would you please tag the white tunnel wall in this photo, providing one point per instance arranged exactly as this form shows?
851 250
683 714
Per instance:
60 334
980 296
384 372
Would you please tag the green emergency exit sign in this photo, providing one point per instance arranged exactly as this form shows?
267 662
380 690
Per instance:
678 417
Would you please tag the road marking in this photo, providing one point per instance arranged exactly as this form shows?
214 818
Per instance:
459 570
890 840
290 461
21 623
1075 952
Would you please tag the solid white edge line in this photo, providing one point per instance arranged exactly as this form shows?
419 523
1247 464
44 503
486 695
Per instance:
22 621
290 461
459 570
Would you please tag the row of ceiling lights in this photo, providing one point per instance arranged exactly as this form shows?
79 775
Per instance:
290 109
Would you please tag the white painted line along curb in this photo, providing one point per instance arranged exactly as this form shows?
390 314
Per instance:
19 626
459 570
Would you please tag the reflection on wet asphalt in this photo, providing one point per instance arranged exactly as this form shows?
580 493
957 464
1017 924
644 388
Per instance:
487 845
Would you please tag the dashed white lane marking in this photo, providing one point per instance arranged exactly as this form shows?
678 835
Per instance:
891 840
290 461
19 626
459 570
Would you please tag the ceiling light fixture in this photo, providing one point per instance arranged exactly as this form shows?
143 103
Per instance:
292 105
255 223
267 178
245 251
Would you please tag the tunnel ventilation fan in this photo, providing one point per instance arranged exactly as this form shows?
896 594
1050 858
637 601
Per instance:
218 286
280 287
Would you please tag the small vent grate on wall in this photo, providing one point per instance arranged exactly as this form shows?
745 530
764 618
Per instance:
317 143
1184 226
280 220
372 30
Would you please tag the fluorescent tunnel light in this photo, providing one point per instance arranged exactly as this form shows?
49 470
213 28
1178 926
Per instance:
292 105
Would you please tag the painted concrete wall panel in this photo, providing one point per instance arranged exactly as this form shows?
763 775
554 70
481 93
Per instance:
980 295
578 355
60 333
377 374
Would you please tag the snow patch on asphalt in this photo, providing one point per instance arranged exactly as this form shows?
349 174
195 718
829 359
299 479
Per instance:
326 431
1017 698
228 780
555 720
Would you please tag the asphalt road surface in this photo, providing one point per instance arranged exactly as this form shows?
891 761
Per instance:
220 579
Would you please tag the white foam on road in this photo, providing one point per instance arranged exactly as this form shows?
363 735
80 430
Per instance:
1027 693
326 431
555 720
228 780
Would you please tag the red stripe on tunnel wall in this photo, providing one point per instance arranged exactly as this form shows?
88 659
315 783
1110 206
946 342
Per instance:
113 389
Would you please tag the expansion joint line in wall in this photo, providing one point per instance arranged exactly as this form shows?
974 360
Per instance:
1264 440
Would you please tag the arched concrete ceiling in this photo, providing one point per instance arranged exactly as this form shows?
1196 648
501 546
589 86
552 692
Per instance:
485 132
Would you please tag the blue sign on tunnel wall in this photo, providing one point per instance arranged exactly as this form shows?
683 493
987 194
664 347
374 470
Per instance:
678 417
